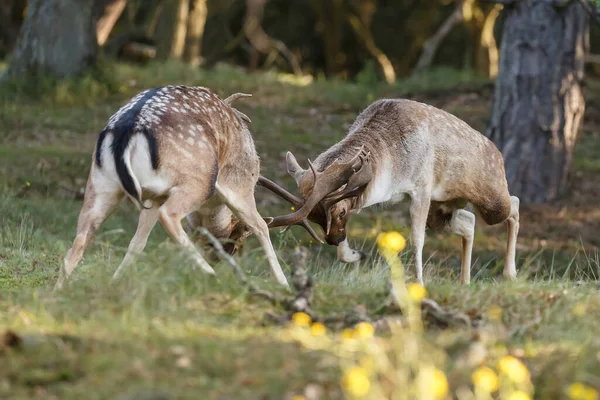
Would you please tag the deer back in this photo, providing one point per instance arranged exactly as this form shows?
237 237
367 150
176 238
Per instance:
173 133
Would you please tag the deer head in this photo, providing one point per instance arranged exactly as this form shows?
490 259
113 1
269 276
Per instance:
328 196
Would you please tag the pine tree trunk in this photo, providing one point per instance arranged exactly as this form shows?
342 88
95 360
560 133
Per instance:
58 37
195 32
538 102
180 29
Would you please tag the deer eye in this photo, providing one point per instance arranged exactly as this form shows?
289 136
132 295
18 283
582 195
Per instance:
342 213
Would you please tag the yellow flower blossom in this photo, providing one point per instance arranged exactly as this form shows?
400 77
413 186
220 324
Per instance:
579 309
484 378
301 319
579 391
416 291
440 384
392 242
318 329
514 369
293 208
356 381
364 329
518 395
494 313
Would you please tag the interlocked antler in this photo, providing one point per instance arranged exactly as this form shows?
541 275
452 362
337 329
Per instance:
296 201
354 174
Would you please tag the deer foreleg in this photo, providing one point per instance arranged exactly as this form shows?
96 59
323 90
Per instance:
463 224
419 209
510 268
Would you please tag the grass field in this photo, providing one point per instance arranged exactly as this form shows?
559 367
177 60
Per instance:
167 332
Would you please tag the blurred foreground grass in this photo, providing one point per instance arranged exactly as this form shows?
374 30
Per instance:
165 331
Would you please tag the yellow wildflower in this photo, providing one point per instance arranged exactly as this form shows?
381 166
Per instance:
318 329
356 381
579 309
485 379
416 291
301 319
293 208
27 183
514 369
494 313
298 397
392 242
579 391
364 329
518 395
440 384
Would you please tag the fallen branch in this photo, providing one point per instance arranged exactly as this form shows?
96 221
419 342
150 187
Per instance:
432 313
239 272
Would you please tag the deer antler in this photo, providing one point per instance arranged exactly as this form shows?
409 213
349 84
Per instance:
296 201
233 98
328 181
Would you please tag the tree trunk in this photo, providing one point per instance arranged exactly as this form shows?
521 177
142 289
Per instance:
538 102
110 11
180 32
57 37
330 25
11 12
195 32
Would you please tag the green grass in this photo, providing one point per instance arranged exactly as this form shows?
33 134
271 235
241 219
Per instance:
167 331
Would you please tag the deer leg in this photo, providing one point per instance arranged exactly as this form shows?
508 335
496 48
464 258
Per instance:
148 218
96 207
347 254
419 209
510 269
244 207
170 214
463 224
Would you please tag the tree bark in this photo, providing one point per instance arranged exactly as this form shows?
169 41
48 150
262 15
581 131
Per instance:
538 102
110 11
180 29
195 32
11 12
57 37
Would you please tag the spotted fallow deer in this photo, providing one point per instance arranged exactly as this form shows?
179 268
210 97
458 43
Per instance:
399 147
174 151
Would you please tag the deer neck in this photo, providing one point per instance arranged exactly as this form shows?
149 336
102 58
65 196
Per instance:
379 190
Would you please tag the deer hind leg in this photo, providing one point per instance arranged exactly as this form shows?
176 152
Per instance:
96 207
148 218
178 205
419 210
347 254
463 224
244 207
510 269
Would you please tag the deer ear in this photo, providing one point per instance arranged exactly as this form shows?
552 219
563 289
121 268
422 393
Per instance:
293 168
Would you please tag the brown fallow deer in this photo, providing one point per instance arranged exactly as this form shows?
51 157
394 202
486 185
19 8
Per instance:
397 148
173 151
